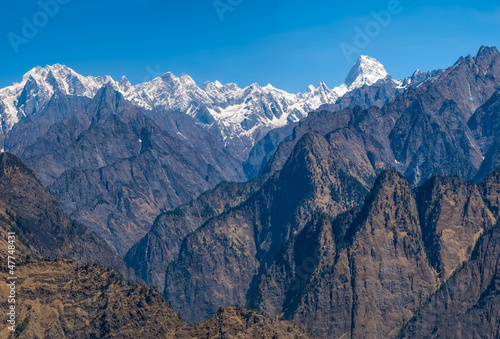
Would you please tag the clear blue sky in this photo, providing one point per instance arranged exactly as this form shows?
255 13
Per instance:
288 43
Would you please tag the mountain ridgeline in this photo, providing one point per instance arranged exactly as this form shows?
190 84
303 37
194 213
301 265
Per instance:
367 210
76 298
28 209
331 236
116 155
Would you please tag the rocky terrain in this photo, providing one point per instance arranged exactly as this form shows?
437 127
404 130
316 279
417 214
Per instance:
429 129
113 169
310 245
60 298
28 209
368 270
63 300
116 155
466 306
375 215
368 85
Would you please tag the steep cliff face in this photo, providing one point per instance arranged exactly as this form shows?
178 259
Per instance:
466 306
29 129
430 142
151 256
61 299
229 251
485 127
390 271
365 272
41 225
490 191
453 215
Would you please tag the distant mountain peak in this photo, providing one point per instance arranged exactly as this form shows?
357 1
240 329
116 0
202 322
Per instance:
366 71
212 85
487 50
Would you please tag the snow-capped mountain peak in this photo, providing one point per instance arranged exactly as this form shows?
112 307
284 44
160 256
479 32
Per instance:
366 71
38 86
241 115
212 85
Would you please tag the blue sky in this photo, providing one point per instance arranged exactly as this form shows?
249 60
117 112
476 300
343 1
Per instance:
290 44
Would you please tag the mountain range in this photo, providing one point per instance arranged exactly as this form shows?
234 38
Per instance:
367 210
241 116
331 236
77 298
116 155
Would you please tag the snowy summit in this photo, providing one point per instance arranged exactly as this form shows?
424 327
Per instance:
366 71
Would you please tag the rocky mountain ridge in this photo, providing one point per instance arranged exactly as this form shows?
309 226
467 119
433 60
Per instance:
66 299
425 130
39 221
331 260
240 116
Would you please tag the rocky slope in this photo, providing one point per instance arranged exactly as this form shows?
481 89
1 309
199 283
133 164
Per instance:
161 245
61 299
363 271
303 243
232 249
429 129
117 155
113 169
367 84
367 271
28 209
466 306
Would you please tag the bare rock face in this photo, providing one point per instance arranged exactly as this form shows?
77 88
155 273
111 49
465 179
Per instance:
485 127
41 225
26 132
391 275
365 272
453 216
466 306
59 299
151 256
490 190
230 250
